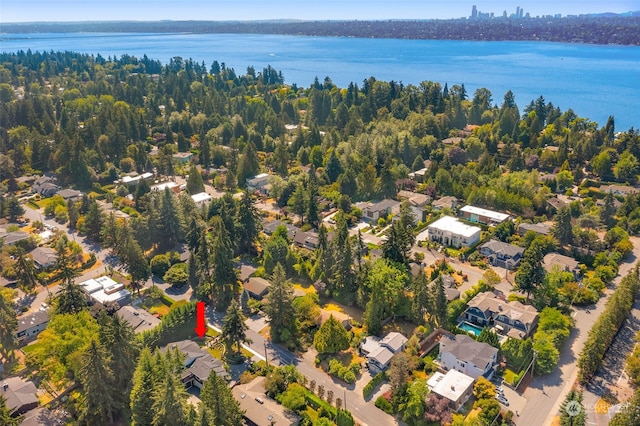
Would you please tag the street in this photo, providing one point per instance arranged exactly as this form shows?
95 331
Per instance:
365 412
546 393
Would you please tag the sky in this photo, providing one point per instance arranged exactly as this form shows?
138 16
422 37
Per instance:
218 10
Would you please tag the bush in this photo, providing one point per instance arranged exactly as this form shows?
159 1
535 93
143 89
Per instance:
160 265
384 405
373 384
346 374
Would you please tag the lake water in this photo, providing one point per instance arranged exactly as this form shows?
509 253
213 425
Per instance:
594 81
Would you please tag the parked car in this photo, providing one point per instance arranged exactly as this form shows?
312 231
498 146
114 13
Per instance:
502 400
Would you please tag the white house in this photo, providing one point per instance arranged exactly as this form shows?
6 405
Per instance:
451 232
455 386
464 354
479 215
258 182
29 326
104 289
201 199
380 351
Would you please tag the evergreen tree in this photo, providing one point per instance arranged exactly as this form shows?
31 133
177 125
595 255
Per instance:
421 302
97 383
440 303
248 165
5 414
144 380
279 307
117 335
71 298
247 223
490 337
135 263
387 184
333 166
224 277
26 272
170 231
608 211
195 185
93 220
8 325
169 402
234 330
218 407
572 412
331 337
343 280
562 228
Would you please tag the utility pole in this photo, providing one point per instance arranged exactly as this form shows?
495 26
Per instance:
266 358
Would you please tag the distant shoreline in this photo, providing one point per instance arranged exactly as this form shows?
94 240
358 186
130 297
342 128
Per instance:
589 29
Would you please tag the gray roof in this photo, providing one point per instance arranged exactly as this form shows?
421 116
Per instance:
565 262
306 239
69 194
11 238
394 341
464 348
505 248
383 205
538 228
270 228
44 256
198 361
256 286
447 201
139 319
31 320
19 394
381 355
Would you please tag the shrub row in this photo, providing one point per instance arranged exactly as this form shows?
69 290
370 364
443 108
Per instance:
607 325
373 384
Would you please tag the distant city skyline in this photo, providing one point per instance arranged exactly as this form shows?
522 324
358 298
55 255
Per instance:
218 10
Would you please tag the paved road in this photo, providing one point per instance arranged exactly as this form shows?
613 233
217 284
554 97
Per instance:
546 393
365 412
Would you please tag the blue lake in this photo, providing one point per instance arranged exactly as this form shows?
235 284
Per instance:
594 81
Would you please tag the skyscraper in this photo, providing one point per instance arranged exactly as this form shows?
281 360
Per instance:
474 12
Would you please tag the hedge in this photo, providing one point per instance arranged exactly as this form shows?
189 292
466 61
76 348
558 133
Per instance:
373 384
316 403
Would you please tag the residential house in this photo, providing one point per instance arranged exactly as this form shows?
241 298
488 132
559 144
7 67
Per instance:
343 318
538 228
555 204
133 179
104 289
384 208
257 287
259 410
452 141
44 257
270 227
414 198
565 263
70 194
502 254
20 395
308 240
621 190
245 271
447 202
45 186
380 351
419 175
12 238
174 187
139 319
464 354
201 199
198 363
29 326
455 386
450 290
449 231
258 183
484 216
182 157
511 319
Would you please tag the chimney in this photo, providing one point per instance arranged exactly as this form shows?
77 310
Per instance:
500 307
5 386
453 388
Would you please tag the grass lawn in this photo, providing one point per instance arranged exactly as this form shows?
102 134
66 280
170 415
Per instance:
511 377
30 348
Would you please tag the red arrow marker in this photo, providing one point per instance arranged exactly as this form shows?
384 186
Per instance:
201 328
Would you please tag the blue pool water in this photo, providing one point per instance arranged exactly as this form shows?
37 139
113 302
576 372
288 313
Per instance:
468 327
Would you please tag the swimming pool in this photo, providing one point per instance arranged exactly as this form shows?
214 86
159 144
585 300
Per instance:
471 328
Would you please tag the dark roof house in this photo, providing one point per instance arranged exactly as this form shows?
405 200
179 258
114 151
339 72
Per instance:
502 254
139 319
257 287
45 186
20 395
199 364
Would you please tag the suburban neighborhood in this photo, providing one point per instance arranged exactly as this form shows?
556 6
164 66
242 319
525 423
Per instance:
369 263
